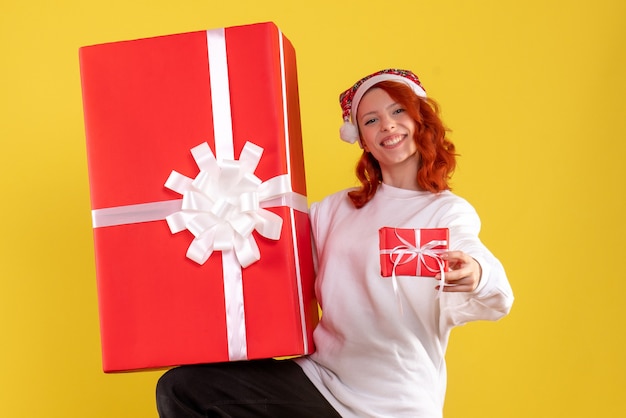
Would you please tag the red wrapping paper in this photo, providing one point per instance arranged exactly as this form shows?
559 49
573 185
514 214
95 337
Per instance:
146 103
400 249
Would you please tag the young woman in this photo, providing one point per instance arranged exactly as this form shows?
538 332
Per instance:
380 343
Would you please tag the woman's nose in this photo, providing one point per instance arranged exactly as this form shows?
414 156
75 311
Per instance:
387 123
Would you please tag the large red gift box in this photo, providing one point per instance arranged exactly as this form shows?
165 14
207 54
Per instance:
217 264
412 252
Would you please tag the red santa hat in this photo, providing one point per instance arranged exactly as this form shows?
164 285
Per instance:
350 98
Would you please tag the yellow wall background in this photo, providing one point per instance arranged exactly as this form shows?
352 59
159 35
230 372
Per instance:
533 91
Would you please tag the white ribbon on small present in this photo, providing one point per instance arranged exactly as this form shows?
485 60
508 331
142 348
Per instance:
407 252
222 205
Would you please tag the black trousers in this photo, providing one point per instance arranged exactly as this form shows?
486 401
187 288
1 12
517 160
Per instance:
258 388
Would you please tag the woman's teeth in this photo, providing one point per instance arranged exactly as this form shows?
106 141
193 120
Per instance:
392 141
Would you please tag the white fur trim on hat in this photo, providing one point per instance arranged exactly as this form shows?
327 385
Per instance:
349 131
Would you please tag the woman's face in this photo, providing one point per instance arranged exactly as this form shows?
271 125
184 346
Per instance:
386 130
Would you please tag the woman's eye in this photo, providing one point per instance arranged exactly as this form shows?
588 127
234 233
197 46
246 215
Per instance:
369 121
399 110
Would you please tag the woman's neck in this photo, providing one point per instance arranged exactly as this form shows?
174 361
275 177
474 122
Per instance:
402 177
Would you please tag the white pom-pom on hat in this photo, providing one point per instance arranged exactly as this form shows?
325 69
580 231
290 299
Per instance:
349 132
349 99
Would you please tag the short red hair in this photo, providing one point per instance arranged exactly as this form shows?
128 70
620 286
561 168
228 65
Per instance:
437 153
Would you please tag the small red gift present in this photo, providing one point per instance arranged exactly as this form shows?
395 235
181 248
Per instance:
214 264
412 252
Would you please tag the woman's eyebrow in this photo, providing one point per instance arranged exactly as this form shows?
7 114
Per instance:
386 108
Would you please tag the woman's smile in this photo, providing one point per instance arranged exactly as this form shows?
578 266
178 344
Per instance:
392 140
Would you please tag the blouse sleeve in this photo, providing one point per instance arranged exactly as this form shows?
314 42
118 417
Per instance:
493 297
